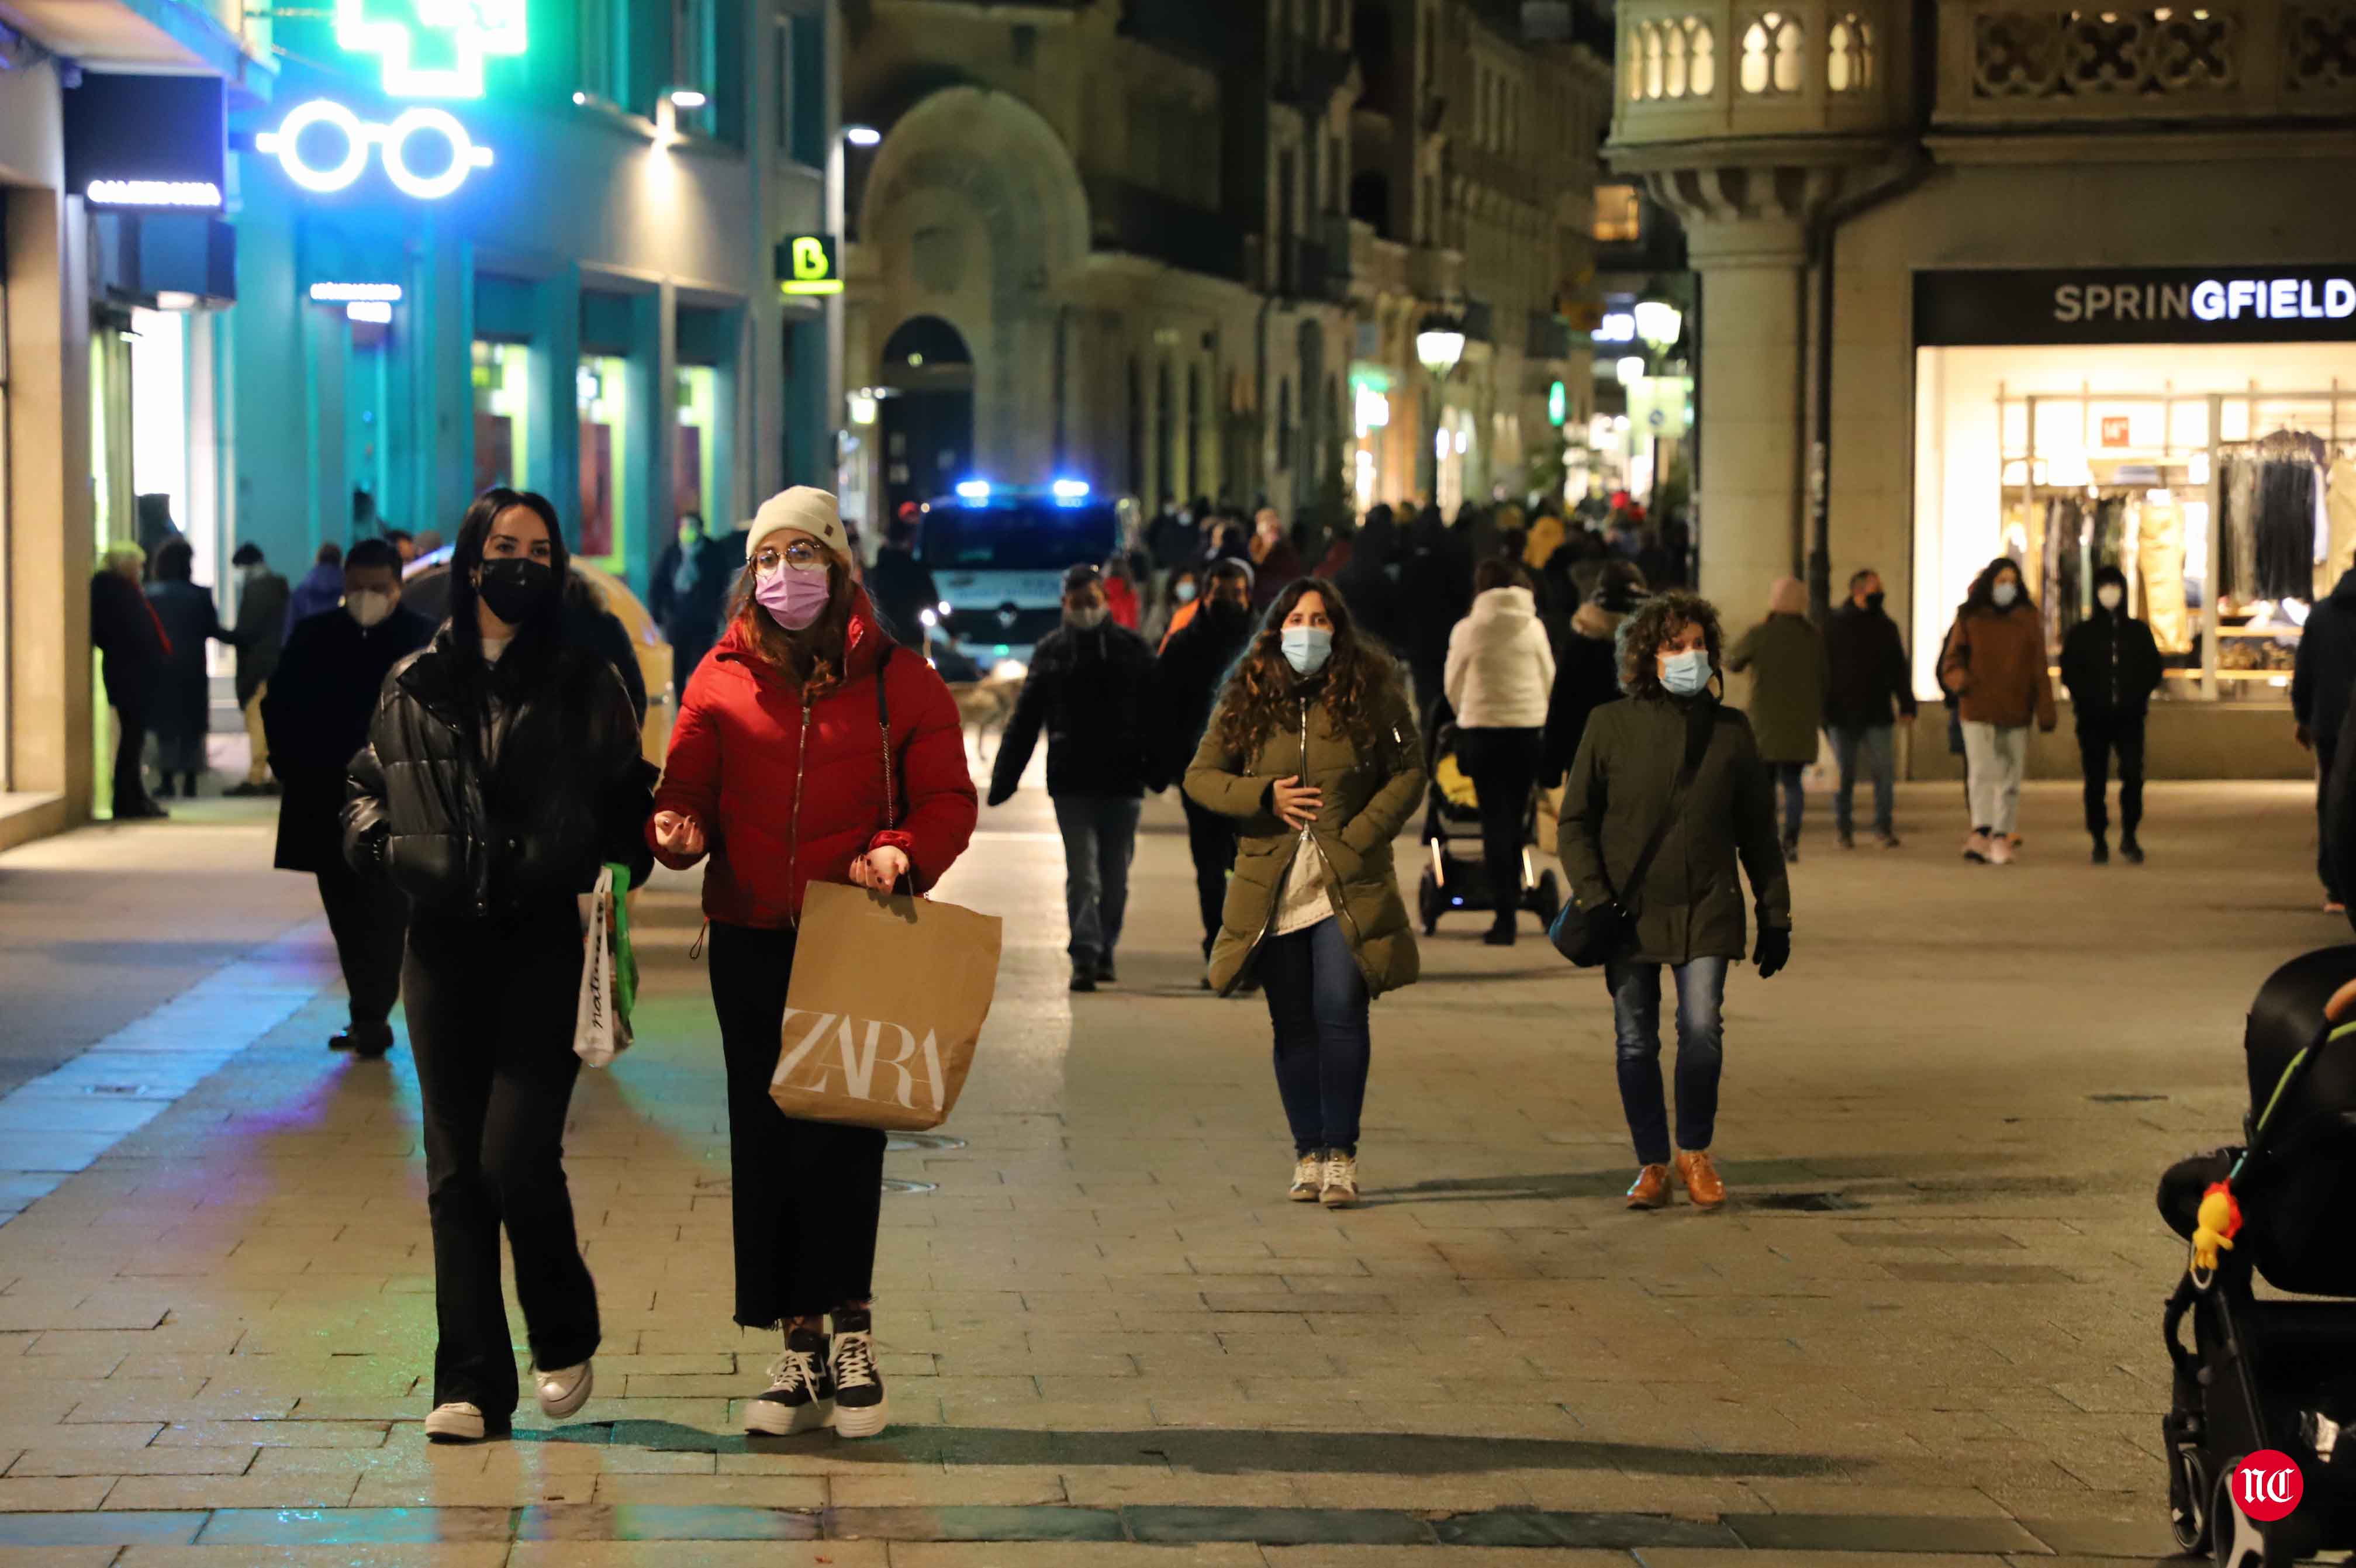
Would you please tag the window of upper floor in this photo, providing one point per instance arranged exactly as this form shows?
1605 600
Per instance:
1619 215
799 76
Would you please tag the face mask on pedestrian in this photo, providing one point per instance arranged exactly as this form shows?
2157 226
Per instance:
1873 601
2004 594
252 572
1685 672
794 598
513 587
369 609
1183 593
1307 648
1085 617
2109 595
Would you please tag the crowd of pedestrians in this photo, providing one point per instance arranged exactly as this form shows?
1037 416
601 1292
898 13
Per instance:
454 790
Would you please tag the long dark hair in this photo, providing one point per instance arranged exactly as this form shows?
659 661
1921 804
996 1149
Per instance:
1357 678
542 633
1983 594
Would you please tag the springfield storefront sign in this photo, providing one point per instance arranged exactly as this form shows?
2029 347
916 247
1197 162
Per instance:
2163 304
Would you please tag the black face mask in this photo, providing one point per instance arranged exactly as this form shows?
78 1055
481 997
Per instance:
1227 611
1873 601
513 587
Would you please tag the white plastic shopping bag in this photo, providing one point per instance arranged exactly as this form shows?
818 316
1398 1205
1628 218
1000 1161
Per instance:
601 1022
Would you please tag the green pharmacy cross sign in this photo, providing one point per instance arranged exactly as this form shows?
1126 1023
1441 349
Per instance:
431 48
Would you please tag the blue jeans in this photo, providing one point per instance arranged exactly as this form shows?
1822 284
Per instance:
1868 746
1701 1050
1795 799
1099 840
1317 1001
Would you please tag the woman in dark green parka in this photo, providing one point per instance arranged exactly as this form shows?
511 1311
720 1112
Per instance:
1688 912
1313 751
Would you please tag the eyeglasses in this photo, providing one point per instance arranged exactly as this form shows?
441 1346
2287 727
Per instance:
801 555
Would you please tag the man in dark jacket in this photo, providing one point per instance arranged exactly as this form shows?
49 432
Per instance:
321 589
687 595
1435 593
1867 678
1193 667
260 632
317 712
2110 663
1092 688
2320 685
902 587
1369 581
133 648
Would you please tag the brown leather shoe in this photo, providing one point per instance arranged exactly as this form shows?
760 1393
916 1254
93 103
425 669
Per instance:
1702 1182
1652 1189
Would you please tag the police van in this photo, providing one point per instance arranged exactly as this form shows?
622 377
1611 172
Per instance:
998 555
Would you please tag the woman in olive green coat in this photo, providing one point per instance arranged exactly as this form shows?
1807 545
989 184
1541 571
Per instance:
1313 751
1786 655
1686 911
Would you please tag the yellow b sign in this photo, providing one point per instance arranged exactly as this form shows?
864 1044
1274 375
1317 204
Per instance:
806 265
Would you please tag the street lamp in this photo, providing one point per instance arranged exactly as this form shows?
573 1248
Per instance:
1629 371
1658 322
1439 345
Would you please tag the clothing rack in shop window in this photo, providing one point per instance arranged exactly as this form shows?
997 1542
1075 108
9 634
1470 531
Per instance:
2335 410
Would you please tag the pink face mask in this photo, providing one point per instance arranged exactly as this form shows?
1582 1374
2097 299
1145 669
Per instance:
794 599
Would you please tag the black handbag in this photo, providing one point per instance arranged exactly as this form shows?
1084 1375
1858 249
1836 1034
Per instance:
1593 935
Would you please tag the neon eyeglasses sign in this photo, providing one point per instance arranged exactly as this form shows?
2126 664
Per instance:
390 141
469 32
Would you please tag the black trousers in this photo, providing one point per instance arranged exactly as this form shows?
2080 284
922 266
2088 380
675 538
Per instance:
808 1196
1504 766
371 921
2099 735
1211 838
490 1020
130 741
2326 749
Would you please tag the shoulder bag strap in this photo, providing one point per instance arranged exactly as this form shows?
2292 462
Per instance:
883 723
1698 721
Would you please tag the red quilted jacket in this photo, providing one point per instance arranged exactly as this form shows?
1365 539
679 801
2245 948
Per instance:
789 794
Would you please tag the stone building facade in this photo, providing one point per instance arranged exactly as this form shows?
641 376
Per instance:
1174 247
2038 254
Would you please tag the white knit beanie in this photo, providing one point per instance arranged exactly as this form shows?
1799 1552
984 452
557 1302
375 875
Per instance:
804 509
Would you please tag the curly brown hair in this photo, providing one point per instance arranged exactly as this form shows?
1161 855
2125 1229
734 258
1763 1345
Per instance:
1660 619
1360 678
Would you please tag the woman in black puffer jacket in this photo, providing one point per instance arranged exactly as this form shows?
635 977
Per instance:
502 770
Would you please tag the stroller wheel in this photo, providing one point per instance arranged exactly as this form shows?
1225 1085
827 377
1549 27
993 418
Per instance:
2237 1540
1428 903
2188 1498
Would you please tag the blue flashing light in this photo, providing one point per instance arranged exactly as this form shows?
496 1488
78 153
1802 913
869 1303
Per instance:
1071 490
973 489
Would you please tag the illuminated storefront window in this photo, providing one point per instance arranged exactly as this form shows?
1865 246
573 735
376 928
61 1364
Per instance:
693 476
602 392
502 373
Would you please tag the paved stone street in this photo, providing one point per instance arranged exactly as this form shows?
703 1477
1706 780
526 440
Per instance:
1926 1331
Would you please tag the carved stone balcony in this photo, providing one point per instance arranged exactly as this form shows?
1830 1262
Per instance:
1716 69
2003 65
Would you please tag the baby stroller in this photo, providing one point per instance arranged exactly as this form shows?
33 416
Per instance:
2272 1374
1455 880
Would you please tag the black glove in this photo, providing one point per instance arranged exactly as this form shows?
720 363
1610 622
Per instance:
1774 950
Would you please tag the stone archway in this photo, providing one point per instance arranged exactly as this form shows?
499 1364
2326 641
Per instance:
976 211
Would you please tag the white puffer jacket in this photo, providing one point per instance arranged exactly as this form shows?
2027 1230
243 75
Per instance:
1500 665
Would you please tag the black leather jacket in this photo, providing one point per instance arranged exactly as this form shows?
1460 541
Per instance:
479 795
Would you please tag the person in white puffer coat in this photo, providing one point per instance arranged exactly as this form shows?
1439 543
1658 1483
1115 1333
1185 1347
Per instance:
1500 675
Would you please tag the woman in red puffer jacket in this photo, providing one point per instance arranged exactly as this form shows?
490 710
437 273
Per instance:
777 770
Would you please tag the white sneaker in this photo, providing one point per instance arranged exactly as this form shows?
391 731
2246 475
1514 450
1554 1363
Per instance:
1308 1178
563 1392
2000 850
1341 1189
801 1388
456 1423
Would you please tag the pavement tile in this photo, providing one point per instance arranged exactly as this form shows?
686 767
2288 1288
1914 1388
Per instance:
41 1530
132 1462
487 1555
354 1527
42 1494
973 1523
1277 1526
1880 1532
664 1521
1075 1554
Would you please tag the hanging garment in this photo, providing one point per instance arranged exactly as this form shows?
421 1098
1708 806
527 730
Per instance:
2340 512
2237 553
2065 569
2159 567
2286 530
